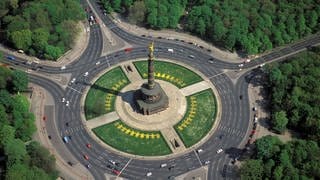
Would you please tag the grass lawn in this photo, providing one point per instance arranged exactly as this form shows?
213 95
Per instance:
102 94
133 141
167 71
199 118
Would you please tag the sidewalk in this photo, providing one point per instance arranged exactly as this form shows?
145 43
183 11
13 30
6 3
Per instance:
172 35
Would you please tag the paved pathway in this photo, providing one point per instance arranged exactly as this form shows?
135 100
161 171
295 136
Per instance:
101 120
131 72
173 140
194 88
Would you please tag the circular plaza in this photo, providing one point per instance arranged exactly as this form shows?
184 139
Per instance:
114 119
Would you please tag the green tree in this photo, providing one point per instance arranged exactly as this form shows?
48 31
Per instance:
278 173
267 147
6 100
252 170
3 116
40 39
41 157
201 27
279 121
53 52
5 75
15 151
116 5
6 134
19 80
21 39
137 12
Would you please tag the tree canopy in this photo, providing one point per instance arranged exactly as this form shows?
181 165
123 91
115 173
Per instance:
249 25
295 94
45 28
297 159
16 128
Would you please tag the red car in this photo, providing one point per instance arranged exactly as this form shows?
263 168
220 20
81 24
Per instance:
116 172
86 157
88 145
127 50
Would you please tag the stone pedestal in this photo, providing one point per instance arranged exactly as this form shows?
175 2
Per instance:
151 100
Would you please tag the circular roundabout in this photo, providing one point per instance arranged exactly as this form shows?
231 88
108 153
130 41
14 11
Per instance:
113 114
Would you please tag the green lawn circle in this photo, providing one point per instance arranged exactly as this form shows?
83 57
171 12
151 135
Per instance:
195 124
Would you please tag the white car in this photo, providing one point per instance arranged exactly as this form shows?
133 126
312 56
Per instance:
86 73
240 65
207 162
199 151
248 60
149 174
219 151
63 67
163 165
261 65
67 103
170 50
73 80
63 99
97 63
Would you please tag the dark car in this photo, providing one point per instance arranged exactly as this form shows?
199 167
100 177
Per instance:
11 57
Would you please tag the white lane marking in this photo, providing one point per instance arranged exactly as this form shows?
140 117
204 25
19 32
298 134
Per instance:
74 89
124 167
197 157
216 75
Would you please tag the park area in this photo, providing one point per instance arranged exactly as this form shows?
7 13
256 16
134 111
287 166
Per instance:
102 94
124 138
199 118
176 74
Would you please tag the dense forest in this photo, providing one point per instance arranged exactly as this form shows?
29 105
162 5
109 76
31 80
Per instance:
22 159
249 25
297 159
45 28
295 94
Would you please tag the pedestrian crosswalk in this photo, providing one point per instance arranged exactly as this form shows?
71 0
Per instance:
73 130
232 131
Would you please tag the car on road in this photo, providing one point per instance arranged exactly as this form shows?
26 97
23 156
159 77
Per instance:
97 63
9 57
63 67
207 162
73 80
261 65
67 103
86 74
63 99
240 65
86 157
199 151
116 172
88 145
70 163
211 61
163 165
149 174
88 166
170 50
65 139
191 56
219 151
20 51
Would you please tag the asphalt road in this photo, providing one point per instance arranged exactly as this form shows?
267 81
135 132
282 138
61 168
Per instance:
230 132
